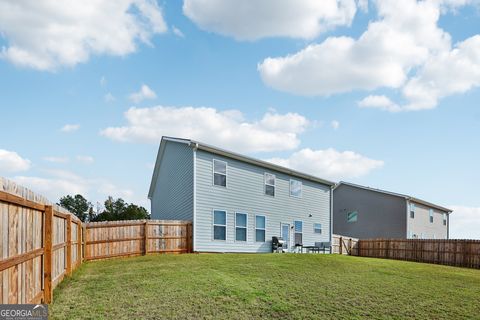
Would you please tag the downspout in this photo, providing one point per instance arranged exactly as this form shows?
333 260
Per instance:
194 223
332 188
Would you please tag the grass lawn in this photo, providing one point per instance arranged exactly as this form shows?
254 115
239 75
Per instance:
282 286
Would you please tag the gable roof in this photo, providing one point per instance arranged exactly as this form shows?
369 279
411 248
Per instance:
400 195
229 154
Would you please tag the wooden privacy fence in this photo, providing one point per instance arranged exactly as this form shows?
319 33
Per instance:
137 237
460 253
41 243
344 245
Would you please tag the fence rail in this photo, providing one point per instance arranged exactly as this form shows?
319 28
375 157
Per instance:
42 243
460 253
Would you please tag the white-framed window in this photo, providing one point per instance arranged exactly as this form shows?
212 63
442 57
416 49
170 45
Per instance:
295 188
430 215
317 228
260 228
241 220
298 227
219 173
444 215
352 216
412 210
219 225
269 184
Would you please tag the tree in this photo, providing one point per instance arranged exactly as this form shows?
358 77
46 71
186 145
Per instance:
77 205
118 209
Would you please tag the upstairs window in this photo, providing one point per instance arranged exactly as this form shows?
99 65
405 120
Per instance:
412 210
352 216
269 184
260 227
444 219
219 225
317 228
298 232
296 188
219 173
430 215
240 226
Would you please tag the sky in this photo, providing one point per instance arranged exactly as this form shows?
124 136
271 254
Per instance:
380 93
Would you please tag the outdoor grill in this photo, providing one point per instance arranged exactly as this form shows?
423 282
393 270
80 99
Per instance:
278 244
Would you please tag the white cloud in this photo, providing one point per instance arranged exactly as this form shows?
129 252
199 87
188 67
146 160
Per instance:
85 159
178 32
465 222
70 128
226 129
11 161
403 49
108 97
48 34
379 102
56 159
329 163
58 183
251 20
144 93
335 124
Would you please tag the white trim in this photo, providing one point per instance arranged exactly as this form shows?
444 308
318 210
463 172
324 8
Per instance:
194 242
219 225
430 215
317 228
348 212
290 188
213 173
246 227
265 184
264 229
295 231
288 242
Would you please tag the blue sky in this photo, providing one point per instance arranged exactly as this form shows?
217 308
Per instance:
378 93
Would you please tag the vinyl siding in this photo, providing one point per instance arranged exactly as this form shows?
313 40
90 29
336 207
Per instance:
380 215
173 194
421 226
245 193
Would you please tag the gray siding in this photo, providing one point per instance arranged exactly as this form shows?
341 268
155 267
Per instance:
421 227
245 193
173 194
379 215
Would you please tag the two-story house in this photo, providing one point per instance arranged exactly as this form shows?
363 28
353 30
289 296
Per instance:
237 203
367 213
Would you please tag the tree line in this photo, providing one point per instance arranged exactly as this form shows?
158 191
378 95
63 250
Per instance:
114 209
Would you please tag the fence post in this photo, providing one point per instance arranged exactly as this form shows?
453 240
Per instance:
145 237
340 249
69 245
84 242
47 256
79 243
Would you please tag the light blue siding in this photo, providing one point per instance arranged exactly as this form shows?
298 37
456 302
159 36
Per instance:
173 194
245 193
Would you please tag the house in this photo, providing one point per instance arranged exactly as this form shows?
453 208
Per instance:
237 203
364 212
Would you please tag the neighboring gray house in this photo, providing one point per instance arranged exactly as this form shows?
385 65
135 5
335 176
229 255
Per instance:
237 203
364 212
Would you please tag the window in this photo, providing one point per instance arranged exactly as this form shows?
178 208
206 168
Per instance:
295 188
317 228
444 219
219 173
219 225
298 232
352 216
430 214
240 226
260 227
412 210
269 184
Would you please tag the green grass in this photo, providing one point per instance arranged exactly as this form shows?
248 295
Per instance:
282 286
